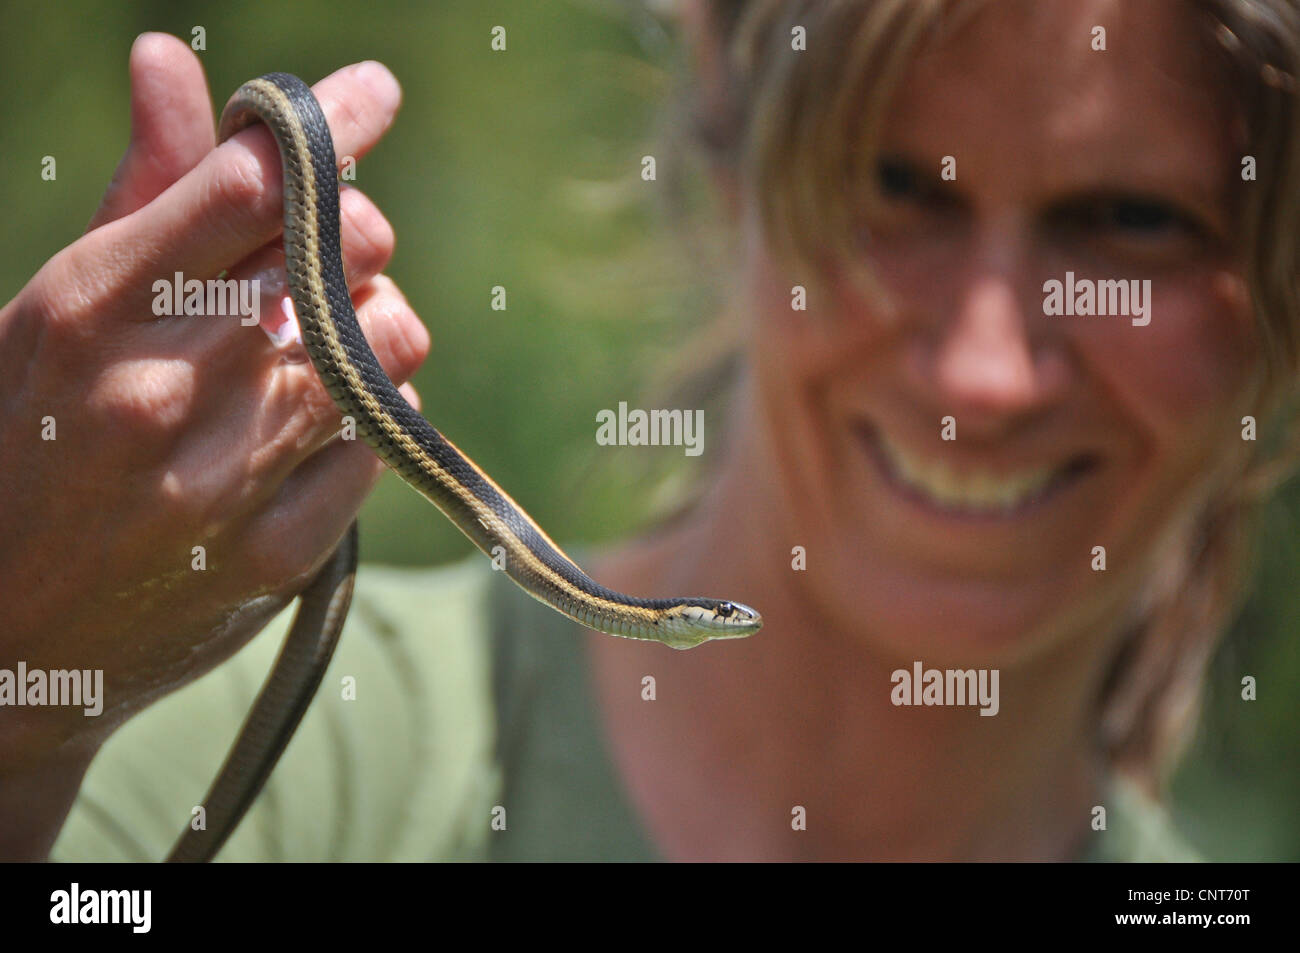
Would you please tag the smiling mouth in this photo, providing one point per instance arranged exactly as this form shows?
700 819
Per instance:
973 493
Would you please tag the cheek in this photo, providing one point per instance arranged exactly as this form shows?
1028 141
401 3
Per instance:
1182 374
805 327
791 329
799 359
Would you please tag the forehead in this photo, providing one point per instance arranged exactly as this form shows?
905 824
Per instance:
1018 94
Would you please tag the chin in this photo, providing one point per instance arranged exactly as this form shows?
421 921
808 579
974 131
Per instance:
951 619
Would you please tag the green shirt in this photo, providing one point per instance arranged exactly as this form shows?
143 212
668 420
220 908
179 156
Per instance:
454 703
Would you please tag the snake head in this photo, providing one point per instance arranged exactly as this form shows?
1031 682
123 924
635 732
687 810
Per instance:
699 620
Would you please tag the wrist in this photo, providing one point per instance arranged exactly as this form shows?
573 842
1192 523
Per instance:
40 776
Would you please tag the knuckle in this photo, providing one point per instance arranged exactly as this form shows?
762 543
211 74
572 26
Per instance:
413 339
239 187
145 401
169 159
319 412
63 298
176 511
346 117
404 334
368 233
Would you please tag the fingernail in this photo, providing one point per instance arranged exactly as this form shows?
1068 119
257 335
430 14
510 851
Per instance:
408 391
383 84
277 318
282 329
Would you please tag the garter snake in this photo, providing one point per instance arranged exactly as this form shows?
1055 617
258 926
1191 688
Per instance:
412 448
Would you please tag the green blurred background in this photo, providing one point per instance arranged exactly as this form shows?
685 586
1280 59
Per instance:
522 169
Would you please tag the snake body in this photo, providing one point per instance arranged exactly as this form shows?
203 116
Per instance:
412 448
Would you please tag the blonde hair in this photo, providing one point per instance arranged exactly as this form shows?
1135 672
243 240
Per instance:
798 132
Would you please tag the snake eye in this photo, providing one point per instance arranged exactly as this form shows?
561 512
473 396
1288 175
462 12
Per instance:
724 610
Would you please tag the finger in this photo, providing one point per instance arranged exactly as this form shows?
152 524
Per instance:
251 428
394 331
313 507
263 288
300 525
219 213
298 404
171 125
367 240
411 394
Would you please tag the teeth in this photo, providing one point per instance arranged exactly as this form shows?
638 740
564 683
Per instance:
977 491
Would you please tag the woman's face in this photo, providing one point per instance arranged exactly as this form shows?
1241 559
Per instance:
1071 431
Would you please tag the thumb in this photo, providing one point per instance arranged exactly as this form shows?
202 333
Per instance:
171 125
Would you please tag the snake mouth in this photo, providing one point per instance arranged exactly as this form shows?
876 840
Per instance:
707 619
740 629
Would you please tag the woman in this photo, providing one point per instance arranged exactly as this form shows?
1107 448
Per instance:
928 468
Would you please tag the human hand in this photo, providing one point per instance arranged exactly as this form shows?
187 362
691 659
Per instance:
176 432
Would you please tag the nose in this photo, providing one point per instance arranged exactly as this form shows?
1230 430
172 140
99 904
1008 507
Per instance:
982 362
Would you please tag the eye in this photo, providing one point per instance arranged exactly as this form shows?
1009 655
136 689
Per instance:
905 198
904 181
1132 218
896 178
1140 215
724 610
